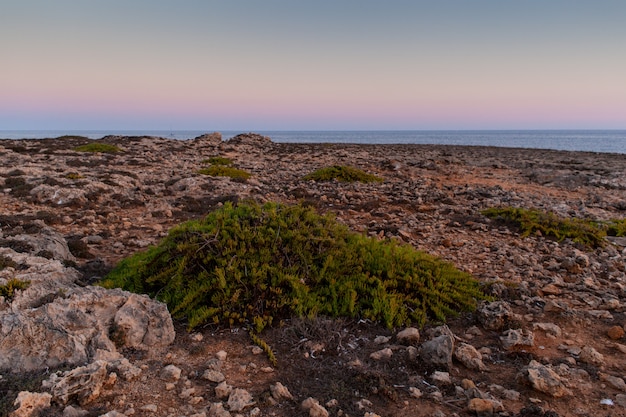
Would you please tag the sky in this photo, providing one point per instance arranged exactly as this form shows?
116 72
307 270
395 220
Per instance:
312 65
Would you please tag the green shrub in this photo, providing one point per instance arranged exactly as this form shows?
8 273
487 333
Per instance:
218 160
98 148
586 232
225 171
8 290
253 265
343 174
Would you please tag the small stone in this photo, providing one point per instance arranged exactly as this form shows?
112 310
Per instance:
469 356
280 392
383 354
410 335
549 328
171 373
467 384
591 356
170 386
480 406
70 411
513 338
239 399
221 355
381 340
31 403
614 381
615 333
196 337
223 390
213 376
151 408
217 410
363 404
314 408
442 378
415 392
543 379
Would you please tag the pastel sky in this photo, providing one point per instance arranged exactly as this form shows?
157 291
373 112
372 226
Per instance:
315 65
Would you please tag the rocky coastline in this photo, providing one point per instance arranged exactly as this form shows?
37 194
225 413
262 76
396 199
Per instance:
552 344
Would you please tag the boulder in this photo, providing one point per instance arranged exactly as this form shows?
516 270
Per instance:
82 385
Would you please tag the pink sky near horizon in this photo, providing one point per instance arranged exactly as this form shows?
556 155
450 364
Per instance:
412 66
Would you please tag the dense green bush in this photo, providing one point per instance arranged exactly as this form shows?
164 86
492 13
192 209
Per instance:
587 232
252 265
225 171
98 148
343 174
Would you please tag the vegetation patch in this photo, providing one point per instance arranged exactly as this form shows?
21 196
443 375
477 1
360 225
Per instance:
218 160
6 262
530 221
73 176
98 148
8 290
225 171
253 265
343 174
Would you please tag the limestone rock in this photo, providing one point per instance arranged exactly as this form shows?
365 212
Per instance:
217 410
438 351
83 384
517 337
31 404
550 328
410 336
223 390
480 406
591 356
239 399
615 333
543 379
71 329
170 373
469 356
383 354
314 408
495 315
280 392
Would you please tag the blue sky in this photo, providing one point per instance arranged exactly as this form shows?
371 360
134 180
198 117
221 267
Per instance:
312 65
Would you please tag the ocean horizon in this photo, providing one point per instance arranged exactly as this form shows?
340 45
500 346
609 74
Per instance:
604 141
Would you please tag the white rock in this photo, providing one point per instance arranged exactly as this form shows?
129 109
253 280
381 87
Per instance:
31 404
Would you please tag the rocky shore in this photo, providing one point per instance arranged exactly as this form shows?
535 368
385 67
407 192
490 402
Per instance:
552 344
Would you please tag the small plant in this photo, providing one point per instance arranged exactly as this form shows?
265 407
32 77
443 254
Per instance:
218 160
73 176
343 174
8 290
98 148
6 262
225 171
254 265
586 232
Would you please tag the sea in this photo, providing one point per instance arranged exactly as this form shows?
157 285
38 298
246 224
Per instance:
606 141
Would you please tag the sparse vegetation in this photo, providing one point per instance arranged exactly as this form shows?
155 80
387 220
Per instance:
225 171
343 174
95 147
254 265
73 176
218 160
6 262
8 290
530 221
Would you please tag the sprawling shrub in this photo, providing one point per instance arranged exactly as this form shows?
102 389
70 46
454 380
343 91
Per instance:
252 265
98 148
586 232
343 174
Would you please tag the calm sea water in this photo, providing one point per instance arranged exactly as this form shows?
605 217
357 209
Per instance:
612 141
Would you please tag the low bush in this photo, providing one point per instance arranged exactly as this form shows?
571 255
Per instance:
253 265
218 160
225 171
98 148
8 290
586 232
343 174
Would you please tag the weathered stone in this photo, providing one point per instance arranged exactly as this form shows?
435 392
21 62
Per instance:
410 336
543 379
170 373
591 356
469 356
614 381
438 351
217 410
383 354
30 404
550 328
314 408
70 411
480 406
495 315
441 378
516 338
213 376
223 390
280 392
83 384
239 399
615 332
